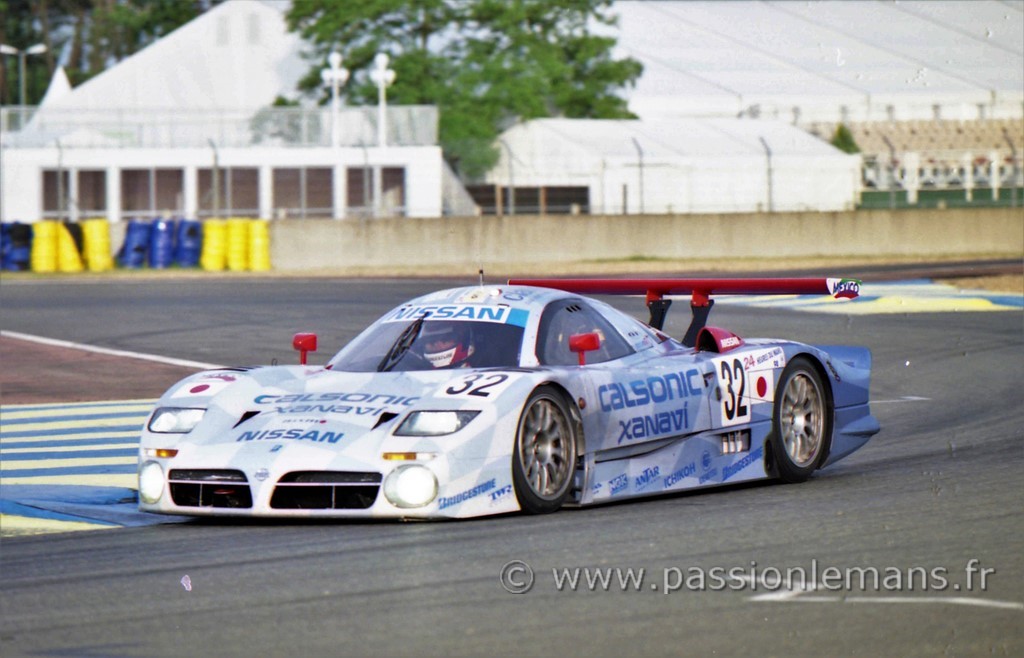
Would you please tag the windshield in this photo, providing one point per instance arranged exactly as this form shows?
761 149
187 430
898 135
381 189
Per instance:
425 344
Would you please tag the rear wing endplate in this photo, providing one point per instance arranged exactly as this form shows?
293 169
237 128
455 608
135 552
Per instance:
656 292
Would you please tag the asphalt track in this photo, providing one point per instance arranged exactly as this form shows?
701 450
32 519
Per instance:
932 504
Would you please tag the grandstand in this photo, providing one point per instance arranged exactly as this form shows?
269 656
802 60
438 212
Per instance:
1001 135
949 153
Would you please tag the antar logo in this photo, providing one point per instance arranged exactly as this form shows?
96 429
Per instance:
844 288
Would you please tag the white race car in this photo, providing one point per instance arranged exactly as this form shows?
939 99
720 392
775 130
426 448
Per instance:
495 399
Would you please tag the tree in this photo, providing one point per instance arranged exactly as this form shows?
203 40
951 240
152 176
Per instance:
843 140
89 35
486 64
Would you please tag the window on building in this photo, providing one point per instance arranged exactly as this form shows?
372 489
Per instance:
150 193
567 200
92 193
237 193
304 192
393 199
530 200
359 200
56 194
359 194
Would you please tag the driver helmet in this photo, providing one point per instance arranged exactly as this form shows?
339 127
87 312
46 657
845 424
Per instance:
447 344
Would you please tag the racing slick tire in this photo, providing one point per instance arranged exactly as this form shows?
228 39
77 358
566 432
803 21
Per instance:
544 457
801 423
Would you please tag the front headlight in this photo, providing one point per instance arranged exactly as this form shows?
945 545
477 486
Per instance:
410 485
151 482
175 420
434 423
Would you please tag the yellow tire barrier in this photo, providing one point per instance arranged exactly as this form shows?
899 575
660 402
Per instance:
259 246
214 251
69 261
238 244
44 247
96 245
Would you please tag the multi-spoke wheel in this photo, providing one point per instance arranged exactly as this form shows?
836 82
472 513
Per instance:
801 427
544 462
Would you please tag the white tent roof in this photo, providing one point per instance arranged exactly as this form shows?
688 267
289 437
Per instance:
546 146
680 165
723 57
238 56
59 86
700 58
710 58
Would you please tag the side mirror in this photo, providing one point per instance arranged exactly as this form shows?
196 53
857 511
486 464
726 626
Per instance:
583 343
304 343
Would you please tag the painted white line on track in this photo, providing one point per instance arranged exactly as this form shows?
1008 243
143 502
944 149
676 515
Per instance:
939 600
793 592
948 600
905 398
110 352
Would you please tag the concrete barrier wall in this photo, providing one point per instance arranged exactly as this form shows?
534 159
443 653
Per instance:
469 242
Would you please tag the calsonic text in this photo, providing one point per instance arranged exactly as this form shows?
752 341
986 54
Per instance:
370 398
653 389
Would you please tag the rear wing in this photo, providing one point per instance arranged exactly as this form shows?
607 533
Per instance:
656 292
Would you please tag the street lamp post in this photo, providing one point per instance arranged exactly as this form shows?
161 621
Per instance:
335 76
37 49
511 180
383 77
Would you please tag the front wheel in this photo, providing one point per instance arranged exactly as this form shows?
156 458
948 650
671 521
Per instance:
544 460
801 426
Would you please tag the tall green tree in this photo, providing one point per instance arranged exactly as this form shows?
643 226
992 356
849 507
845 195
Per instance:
89 36
485 63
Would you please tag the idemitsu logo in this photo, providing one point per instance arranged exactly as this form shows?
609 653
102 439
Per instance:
844 288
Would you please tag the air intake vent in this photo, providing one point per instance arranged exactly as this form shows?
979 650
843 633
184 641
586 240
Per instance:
326 490
209 488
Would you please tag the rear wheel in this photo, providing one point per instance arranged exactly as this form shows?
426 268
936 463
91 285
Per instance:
801 427
544 461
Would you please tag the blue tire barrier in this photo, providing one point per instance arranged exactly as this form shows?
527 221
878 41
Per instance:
17 256
132 254
161 244
190 243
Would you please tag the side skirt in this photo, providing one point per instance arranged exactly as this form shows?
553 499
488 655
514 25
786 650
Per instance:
677 464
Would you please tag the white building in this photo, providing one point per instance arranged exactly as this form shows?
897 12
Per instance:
672 166
185 128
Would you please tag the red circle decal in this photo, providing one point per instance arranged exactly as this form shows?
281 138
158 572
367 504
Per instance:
762 386
199 389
